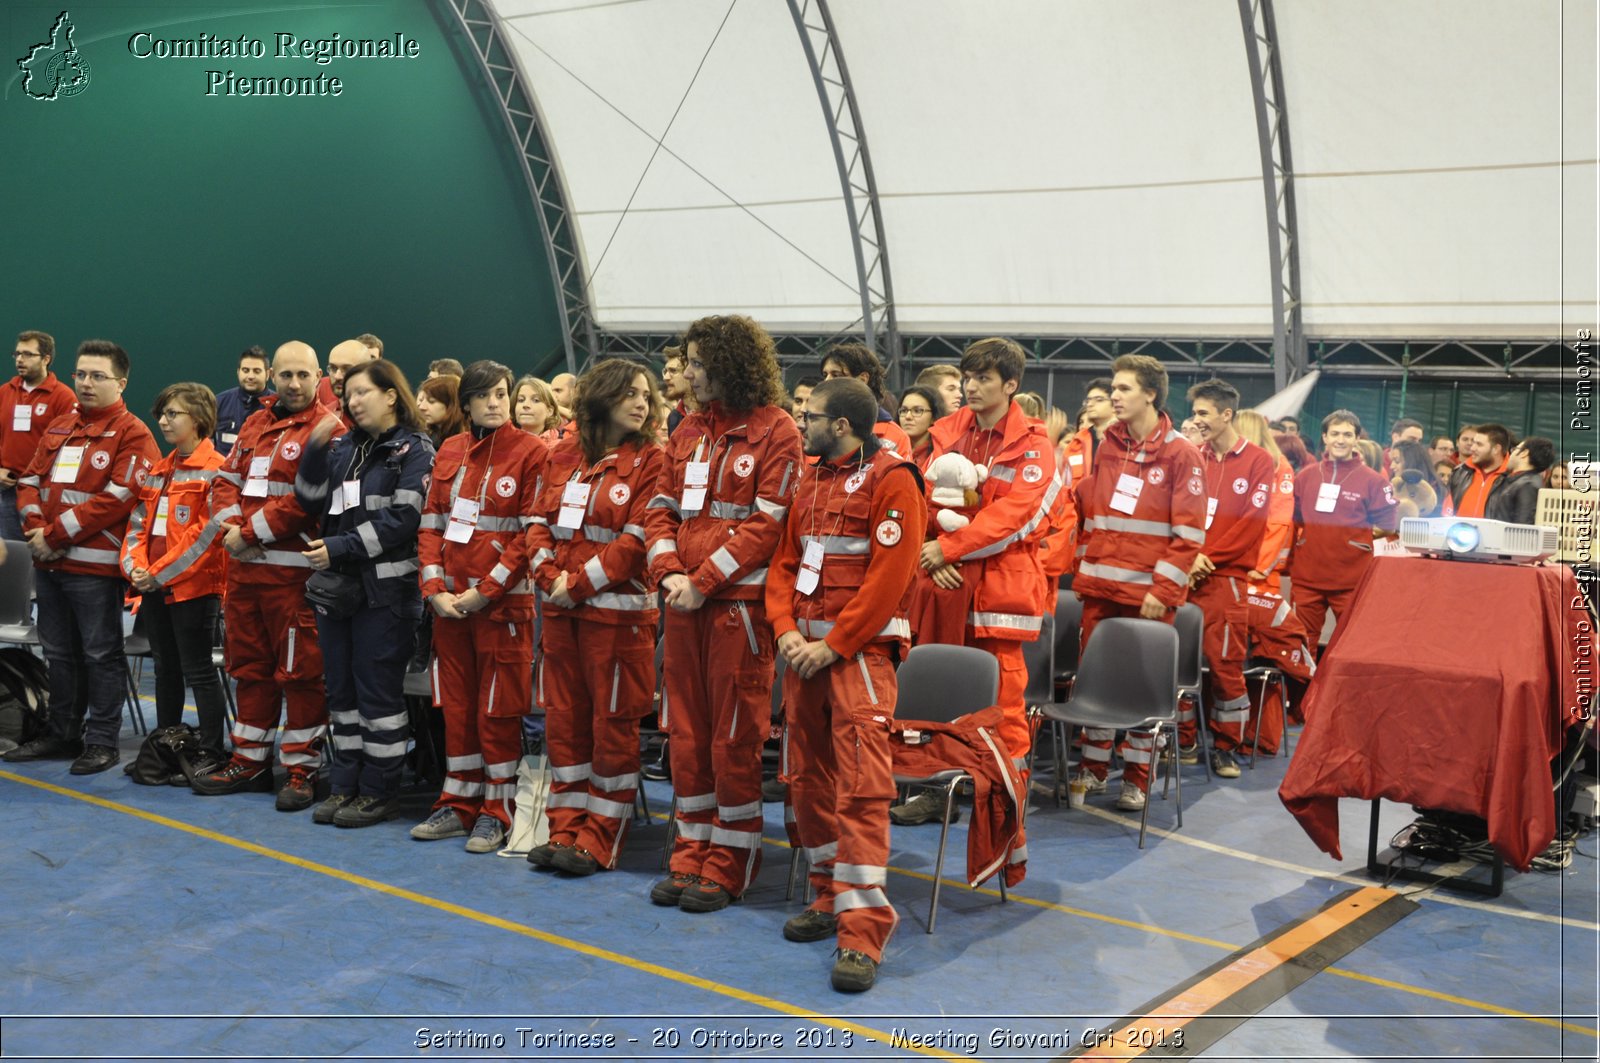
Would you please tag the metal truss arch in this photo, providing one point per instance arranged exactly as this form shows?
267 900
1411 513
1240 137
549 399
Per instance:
825 58
1277 178
525 123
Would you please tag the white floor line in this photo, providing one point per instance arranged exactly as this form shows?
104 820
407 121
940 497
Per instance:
1357 880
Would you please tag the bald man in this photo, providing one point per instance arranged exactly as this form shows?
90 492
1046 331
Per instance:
562 386
343 358
271 632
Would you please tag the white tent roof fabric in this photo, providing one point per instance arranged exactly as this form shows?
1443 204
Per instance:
1079 166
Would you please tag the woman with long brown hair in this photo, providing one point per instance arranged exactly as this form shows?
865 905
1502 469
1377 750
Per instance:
439 408
597 675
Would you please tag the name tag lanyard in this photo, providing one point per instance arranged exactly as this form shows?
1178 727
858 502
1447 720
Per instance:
1328 491
458 530
809 574
351 476
256 486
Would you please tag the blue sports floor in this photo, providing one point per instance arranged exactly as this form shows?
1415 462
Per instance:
150 922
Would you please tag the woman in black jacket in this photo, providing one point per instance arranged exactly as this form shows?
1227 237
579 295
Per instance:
369 486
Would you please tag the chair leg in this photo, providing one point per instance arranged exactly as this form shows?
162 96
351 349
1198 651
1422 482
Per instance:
1283 695
794 871
1203 731
938 863
135 710
1178 775
1255 746
672 834
1059 748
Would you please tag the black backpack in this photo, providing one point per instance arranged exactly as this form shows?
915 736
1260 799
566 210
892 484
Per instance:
171 755
24 696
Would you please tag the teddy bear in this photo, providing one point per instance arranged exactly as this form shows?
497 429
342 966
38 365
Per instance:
955 480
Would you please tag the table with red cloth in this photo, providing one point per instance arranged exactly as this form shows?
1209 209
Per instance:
1448 686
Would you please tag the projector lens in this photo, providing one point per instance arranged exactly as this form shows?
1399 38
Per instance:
1461 538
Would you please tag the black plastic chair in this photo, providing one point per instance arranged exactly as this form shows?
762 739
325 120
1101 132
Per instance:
939 684
1039 656
1128 681
16 597
1068 623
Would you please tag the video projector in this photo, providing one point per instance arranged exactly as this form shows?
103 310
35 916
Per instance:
1479 539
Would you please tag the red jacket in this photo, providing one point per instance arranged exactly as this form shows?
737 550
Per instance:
1273 557
170 533
264 507
999 549
81 485
894 436
502 473
1332 549
973 744
1148 545
723 543
604 555
20 436
1239 484
869 520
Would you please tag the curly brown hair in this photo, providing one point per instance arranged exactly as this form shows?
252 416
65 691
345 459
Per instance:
741 360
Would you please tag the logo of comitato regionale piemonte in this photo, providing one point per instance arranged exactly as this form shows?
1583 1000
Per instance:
55 69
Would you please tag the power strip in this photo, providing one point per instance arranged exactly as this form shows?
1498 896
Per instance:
1587 803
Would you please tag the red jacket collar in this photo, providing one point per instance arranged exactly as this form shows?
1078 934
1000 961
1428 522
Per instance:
1152 443
1013 426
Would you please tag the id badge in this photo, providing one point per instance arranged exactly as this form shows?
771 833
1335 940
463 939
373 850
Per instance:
1126 497
351 494
1211 512
68 461
574 500
22 419
255 484
696 477
810 573
463 521
159 525
1327 497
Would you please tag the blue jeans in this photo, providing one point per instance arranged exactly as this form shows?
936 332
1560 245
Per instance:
10 520
364 661
80 630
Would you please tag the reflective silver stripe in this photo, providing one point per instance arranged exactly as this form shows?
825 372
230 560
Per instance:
596 573
560 533
395 569
504 769
186 560
571 772
540 556
1003 473
369 538
634 530
724 562
346 741
1019 855
898 627
70 524
75 498
1012 621
156 483
463 763
838 544
283 558
93 557
499 573
1282 614
28 481
183 476
32 510
1172 572
862 874
540 521
500 791
867 898
232 477
821 854
383 749
757 576
1026 530
664 502
729 813
309 734
1157 528
615 782
315 492
345 717
1194 535
289 663
259 525
736 839
1119 575
570 799
694 832
697 802
771 509
616 684
253 734
226 514
599 806
376 502
635 603
254 752
462 787
596 534
405 497
728 511
432 572
500 524
120 493
866 677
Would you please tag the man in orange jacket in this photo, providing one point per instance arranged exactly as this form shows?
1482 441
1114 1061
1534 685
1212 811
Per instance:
75 497
995 558
28 402
271 632
716 517
836 598
1143 511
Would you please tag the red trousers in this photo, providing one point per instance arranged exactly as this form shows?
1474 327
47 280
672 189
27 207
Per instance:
1221 599
1138 747
274 658
717 710
483 682
596 681
840 770
1312 604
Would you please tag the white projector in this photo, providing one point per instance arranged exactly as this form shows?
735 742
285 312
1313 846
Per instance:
1478 539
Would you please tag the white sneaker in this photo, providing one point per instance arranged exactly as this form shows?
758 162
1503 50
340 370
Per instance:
1131 799
1090 782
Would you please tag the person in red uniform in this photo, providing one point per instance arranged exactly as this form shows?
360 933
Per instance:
344 357
836 598
1338 503
992 565
597 673
858 361
173 556
715 519
75 496
1143 511
1239 484
474 554
28 402
919 409
270 638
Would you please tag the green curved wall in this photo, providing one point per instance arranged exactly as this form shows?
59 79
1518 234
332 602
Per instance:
187 227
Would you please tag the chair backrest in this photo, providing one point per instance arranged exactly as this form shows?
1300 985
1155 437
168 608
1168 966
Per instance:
16 584
1040 656
1191 626
939 683
1132 665
1069 621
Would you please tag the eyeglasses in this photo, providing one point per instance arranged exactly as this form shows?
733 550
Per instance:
28 354
806 417
96 377
914 411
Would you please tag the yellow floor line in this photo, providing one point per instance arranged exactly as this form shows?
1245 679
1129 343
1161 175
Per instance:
643 966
